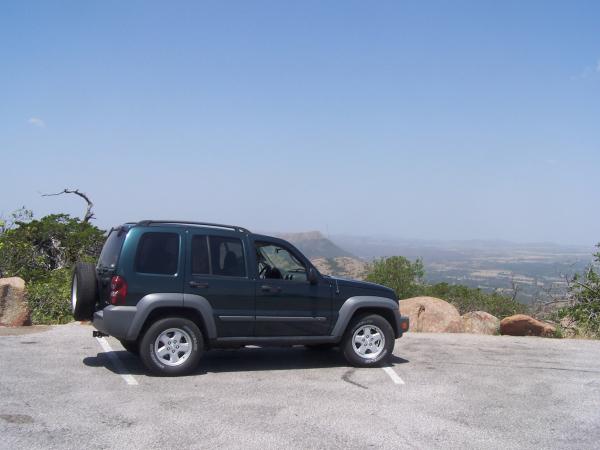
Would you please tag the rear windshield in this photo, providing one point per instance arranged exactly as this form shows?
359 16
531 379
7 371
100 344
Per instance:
112 247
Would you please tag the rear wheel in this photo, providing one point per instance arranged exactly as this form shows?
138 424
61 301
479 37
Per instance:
172 346
84 291
368 341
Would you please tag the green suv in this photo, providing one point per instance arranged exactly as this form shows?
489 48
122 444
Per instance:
170 290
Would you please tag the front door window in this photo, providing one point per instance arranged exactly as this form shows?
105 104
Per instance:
277 262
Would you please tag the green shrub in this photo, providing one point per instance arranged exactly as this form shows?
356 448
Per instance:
43 252
400 274
406 279
584 307
559 333
49 298
32 249
467 299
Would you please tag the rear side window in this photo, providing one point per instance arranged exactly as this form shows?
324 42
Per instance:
109 256
158 253
200 264
227 256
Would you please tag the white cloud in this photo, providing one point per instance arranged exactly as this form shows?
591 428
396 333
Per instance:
588 72
37 122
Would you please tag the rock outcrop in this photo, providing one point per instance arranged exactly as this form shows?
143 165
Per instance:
523 325
480 322
432 315
13 302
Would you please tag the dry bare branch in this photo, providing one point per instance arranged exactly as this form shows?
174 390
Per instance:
89 214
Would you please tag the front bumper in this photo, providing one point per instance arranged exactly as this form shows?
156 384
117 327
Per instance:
402 323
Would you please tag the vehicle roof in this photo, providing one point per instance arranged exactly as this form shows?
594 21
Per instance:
211 226
185 223
228 229
207 225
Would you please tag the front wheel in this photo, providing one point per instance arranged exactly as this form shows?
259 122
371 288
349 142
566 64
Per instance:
368 341
172 346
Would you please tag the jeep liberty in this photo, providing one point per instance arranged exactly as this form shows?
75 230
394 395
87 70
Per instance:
170 290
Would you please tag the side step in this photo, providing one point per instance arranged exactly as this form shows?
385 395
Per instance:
97 333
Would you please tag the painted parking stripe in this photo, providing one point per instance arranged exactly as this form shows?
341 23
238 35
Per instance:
116 362
393 375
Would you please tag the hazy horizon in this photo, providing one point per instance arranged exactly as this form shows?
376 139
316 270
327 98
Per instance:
433 121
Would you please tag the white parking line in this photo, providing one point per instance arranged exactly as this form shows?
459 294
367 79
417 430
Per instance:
393 375
116 362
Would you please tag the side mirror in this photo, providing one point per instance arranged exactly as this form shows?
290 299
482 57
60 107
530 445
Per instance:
313 278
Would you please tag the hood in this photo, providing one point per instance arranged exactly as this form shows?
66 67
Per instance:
355 287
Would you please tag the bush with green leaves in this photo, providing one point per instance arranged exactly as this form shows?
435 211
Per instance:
406 279
31 249
467 299
584 301
43 252
400 274
49 298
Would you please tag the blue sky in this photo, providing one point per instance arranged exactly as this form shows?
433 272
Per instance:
434 120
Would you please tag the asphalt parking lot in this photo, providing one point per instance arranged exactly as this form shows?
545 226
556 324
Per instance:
62 388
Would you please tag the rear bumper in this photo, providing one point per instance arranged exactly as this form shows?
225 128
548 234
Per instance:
114 320
402 324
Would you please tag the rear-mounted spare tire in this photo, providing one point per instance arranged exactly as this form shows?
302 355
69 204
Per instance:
84 291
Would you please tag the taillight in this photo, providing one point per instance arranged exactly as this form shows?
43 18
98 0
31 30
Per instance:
118 290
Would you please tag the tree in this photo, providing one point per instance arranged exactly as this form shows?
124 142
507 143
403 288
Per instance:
43 252
584 301
400 274
31 249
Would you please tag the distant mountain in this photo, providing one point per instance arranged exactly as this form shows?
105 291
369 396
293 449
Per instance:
329 258
341 266
371 247
314 245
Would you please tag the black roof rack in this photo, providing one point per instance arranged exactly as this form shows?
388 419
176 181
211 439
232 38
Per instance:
187 222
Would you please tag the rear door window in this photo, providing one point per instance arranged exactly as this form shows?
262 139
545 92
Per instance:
158 253
109 256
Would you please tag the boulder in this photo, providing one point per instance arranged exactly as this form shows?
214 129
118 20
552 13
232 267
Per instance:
480 322
13 302
431 315
523 325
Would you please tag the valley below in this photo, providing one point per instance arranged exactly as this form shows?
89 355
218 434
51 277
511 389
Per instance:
537 271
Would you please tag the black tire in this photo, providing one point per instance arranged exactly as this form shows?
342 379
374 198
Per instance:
131 346
84 291
158 364
384 350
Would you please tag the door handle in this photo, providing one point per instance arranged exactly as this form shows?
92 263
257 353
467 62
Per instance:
267 288
196 284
